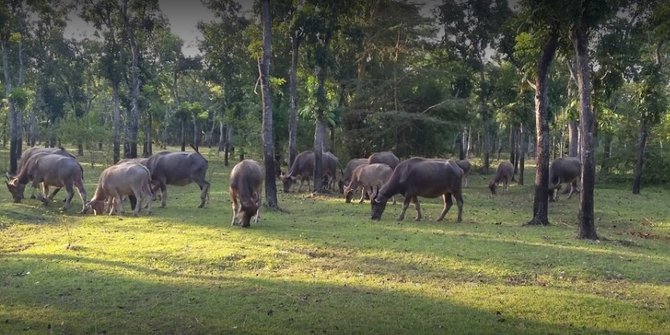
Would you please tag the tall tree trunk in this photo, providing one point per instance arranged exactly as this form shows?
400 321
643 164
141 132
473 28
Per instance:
541 201
196 132
183 134
116 122
296 38
319 136
148 150
523 139
587 227
642 144
573 132
32 129
607 154
134 115
268 139
222 136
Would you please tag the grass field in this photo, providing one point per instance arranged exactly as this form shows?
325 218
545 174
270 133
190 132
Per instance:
326 268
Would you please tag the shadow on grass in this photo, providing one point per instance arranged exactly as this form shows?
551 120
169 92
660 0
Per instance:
57 297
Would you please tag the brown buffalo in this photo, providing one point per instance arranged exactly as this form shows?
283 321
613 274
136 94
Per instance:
564 170
303 168
349 170
246 180
386 157
178 168
123 179
503 175
50 170
420 177
466 166
371 177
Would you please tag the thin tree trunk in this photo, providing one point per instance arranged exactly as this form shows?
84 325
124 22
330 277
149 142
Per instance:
319 135
573 132
183 135
523 138
196 132
541 201
268 140
642 144
293 98
116 122
587 227
134 114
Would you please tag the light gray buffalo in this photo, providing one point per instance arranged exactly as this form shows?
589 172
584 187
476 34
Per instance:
50 170
349 170
504 174
386 157
564 170
178 168
368 176
303 168
36 150
246 180
420 177
123 179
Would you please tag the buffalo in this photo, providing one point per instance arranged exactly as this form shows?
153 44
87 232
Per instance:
423 177
303 168
123 179
246 180
385 157
564 170
370 176
36 150
349 170
178 168
504 174
50 170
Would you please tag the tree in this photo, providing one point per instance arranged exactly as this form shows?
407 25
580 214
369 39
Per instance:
471 27
268 142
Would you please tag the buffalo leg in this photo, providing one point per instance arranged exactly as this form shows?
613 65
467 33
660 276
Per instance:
164 194
448 202
233 199
363 191
70 194
415 200
459 204
405 204
204 192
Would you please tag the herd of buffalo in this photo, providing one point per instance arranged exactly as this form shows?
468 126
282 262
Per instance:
380 177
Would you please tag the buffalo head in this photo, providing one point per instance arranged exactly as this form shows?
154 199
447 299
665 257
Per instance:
378 207
248 210
287 181
16 189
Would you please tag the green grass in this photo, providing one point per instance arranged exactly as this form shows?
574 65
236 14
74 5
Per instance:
326 268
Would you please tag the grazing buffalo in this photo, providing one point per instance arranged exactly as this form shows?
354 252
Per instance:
35 150
503 175
420 177
303 168
50 170
246 180
349 170
564 170
371 177
386 157
123 179
178 168
466 166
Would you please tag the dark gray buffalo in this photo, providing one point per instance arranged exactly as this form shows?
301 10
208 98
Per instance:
349 170
303 168
386 157
246 180
420 177
178 168
503 175
50 170
564 170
